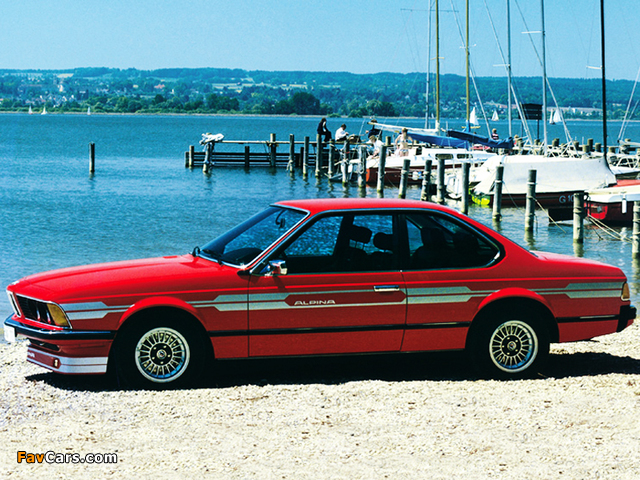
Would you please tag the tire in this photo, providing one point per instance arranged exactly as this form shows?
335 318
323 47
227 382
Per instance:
159 353
510 346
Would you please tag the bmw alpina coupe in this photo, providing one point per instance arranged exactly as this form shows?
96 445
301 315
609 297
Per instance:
320 277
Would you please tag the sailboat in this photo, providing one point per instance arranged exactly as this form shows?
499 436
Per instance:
89 110
44 111
30 111
494 117
473 119
555 117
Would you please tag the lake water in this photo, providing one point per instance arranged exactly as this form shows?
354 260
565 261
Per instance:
142 201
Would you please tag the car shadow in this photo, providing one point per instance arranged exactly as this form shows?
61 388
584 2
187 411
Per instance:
438 366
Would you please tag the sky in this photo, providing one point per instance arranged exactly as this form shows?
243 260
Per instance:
358 36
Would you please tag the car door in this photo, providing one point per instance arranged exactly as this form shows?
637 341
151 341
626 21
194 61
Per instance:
445 271
342 292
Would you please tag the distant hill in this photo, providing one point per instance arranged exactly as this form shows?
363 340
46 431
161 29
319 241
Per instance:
207 90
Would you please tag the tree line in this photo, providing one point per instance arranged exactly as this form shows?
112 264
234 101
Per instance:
235 91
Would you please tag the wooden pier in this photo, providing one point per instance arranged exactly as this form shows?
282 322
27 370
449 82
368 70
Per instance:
266 153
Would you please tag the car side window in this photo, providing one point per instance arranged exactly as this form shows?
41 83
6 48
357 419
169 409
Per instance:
343 243
440 242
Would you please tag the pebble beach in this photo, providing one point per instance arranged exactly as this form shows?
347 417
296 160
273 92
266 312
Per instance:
365 417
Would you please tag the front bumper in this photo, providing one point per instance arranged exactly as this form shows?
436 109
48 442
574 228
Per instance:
64 351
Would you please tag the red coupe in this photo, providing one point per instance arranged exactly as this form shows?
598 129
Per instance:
316 277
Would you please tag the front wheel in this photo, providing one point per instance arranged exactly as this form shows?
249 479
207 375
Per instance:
159 354
510 347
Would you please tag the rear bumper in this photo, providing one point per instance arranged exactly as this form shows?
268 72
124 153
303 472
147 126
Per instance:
627 316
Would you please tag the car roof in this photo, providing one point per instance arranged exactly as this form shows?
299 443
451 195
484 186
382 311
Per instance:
318 205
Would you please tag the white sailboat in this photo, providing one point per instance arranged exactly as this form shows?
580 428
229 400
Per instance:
89 110
473 119
494 117
30 111
555 117
44 111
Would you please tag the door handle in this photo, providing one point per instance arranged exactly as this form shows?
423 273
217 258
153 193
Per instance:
386 288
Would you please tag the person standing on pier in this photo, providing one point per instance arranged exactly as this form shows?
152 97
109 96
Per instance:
402 143
323 130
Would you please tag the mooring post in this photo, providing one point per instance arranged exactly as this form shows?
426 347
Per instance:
497 194
319 147
272 150
381 169
404 178
530 209
190 156
635 235
466 169
440 193
305 158
344 166
362 171
92 157
292 153
247 156
578 217
331 153
425 194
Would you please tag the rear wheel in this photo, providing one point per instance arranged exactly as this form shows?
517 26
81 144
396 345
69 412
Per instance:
159 353
510 346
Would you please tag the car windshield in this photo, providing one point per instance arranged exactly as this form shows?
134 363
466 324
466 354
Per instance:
242 244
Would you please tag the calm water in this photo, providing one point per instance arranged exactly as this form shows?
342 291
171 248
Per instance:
143 202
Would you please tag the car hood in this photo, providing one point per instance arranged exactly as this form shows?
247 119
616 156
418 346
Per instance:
157 275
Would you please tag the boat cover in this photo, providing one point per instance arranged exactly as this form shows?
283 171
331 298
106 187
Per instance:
553 174
506 143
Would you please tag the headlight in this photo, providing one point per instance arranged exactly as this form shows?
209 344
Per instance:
625 296
57 315
14 305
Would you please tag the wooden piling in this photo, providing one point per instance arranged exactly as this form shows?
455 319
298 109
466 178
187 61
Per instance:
190 156
272 150
247 156
440 185
497 194
530 209
291 166
344 166
305 158
425 193
381 169
578 217
330 158
92 157
319 147
404 178
635 236
466 169
362 171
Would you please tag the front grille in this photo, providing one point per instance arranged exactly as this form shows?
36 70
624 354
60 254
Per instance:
35 310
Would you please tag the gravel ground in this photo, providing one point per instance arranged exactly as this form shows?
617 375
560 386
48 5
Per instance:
407 416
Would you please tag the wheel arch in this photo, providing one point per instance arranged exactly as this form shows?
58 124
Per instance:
501 306
161 311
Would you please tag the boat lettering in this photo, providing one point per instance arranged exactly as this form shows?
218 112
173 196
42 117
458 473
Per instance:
565 198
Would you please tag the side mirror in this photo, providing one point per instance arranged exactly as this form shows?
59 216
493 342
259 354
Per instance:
277 267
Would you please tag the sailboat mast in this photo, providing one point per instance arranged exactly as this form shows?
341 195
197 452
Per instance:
467 62
604 85
437 66
544 82
509 64
427 111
